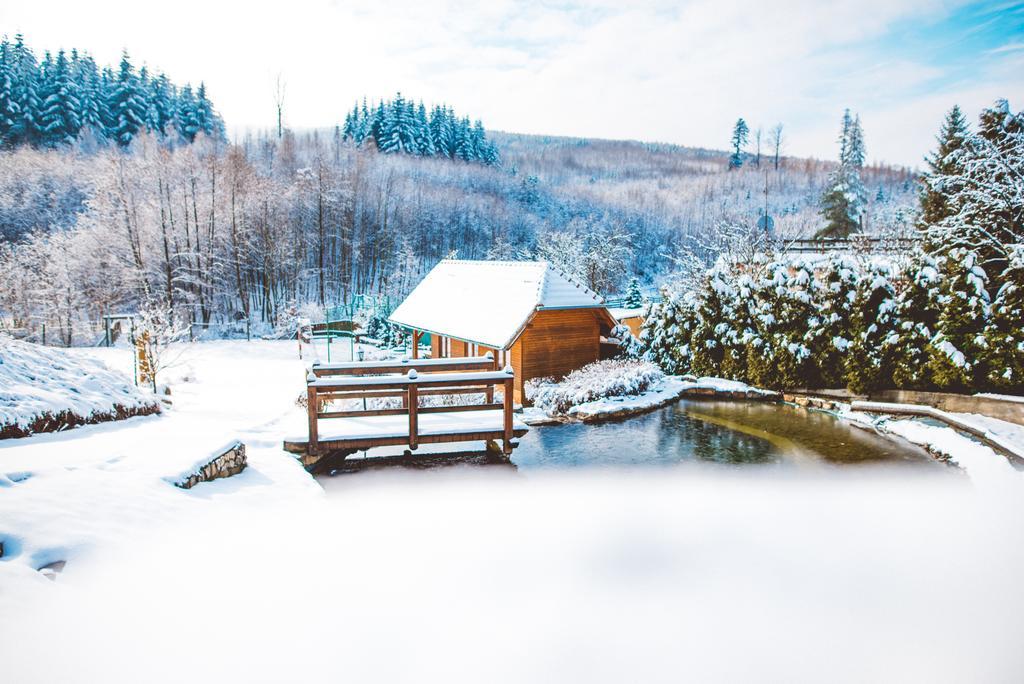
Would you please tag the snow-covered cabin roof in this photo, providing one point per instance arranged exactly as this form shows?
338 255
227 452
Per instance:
489 302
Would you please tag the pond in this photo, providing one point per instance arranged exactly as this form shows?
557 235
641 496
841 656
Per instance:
728 433
715 432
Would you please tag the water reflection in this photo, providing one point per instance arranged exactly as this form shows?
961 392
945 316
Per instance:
731 433
714 432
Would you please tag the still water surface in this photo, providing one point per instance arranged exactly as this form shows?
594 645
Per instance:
723 432
727 433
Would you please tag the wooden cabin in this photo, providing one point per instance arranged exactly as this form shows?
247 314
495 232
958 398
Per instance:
632 318
529 314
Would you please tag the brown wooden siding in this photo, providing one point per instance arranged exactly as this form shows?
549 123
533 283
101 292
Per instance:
556 343
633 323
553 344
459 348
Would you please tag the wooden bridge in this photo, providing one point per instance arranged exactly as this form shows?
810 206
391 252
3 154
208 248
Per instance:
351 430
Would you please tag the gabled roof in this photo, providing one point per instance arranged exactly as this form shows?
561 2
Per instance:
489 302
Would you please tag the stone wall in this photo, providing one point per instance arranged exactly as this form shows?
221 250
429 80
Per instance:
226 463
1012 411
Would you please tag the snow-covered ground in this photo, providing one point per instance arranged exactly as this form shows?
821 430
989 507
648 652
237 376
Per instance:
574 577
480 577
982 463
38 382
70 495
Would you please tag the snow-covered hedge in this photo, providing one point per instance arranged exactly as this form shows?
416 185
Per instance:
43 389
914 321
611 378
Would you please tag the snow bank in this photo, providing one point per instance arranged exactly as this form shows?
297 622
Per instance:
610 389
981 463
43 389
598 380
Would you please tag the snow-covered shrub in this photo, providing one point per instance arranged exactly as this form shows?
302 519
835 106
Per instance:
917 313
1005 333
610 378
956 354
629 346
667 330
873 330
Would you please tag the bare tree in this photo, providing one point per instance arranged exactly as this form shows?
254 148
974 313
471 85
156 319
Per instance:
758 134
279 90
777 138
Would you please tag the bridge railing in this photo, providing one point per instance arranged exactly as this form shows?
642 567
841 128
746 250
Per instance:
363 380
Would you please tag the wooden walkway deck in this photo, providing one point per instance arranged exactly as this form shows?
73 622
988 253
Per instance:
350 430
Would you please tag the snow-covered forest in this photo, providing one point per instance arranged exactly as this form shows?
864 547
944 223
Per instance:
67 98
401 125
948 316
223 232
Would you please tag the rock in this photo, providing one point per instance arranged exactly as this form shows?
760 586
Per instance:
229 462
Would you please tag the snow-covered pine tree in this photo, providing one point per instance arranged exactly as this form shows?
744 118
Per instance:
58 117
666 333
938 182
424 141
351 129
1005 332
464 140
634 298
208 120
845 197
186 115
25 71
126 104
723 324
91 100
830 346
985 192
740 132
873 330
917 314
957 354
9 110
777 352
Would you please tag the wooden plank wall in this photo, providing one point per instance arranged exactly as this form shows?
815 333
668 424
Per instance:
554 344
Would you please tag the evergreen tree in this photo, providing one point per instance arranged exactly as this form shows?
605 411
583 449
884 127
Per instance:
634 298
845 198
26 82
59 116
956 353
91 100
667 331
983 186
944 165
829 347
740 133
10 112
207 120
126 104
873 331
917 313
186 117
424 141
1005 332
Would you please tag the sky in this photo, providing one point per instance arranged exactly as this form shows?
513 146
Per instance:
679 72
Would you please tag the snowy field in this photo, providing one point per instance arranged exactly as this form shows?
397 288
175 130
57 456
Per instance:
702 575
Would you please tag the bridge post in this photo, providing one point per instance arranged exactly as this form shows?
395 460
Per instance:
413 400
311 409
507 409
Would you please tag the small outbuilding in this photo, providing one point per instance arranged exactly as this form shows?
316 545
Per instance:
529 314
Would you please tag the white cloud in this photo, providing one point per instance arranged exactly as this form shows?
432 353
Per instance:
679 72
